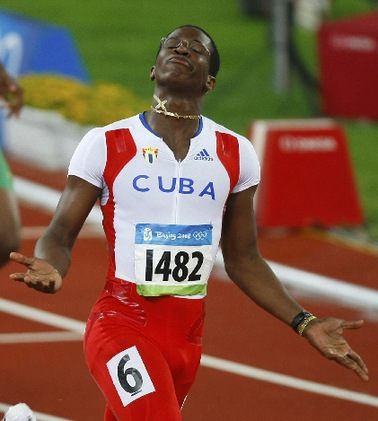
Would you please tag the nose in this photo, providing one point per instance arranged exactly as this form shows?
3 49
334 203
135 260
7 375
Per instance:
183 47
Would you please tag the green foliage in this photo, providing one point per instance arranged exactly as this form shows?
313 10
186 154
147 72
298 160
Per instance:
363 144
347 8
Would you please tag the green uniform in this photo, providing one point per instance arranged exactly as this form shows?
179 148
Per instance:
5 174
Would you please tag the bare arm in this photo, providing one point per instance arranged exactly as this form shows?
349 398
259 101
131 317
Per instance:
246 267
52 253
9 225
12 96
244 264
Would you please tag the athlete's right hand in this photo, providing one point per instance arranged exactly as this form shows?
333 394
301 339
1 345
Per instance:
39 275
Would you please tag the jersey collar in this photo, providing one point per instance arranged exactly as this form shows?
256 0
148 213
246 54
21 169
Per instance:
143 120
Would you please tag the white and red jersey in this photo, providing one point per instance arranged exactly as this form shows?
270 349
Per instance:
163 217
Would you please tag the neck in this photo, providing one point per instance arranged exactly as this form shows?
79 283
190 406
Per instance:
161 108
171 127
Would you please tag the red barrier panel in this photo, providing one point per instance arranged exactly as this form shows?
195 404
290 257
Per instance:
348 58
307 178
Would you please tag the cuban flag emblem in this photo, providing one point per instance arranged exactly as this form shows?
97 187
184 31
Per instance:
150 154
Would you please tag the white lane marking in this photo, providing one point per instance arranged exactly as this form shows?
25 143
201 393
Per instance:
288 381
34 337
41 316
314 285
34 232
47 198
220 364
39 415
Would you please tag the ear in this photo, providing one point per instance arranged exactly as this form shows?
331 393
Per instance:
152 73
210 83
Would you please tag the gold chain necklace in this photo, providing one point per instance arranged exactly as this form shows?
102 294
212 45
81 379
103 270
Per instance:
160 108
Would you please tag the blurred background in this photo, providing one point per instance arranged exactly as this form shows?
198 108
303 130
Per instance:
270 53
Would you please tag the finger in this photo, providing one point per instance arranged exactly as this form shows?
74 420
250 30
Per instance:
20 258
17 276
352 324
23 277
359 361
350 363
48 288
359 371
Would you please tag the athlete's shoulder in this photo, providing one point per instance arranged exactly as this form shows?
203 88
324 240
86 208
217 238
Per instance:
98 134
90 156
246 158
210 124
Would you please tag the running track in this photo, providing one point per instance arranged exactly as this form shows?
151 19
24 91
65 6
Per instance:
254 367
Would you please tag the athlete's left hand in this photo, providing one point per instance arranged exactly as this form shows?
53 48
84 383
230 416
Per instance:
326 335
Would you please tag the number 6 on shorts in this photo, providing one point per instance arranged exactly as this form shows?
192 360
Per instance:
129 375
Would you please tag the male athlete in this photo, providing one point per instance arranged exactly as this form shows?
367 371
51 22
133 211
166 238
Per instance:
10 98
172 185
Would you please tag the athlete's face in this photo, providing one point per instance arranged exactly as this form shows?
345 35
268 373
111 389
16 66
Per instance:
183 61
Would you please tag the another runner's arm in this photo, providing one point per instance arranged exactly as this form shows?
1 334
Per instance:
9 224
244 264
52 254
10 92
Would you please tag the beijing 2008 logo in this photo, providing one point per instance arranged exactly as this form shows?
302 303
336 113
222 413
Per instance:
147 234
199 235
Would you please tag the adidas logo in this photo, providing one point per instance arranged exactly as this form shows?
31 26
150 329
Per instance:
203 156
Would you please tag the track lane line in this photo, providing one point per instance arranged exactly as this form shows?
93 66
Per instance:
41 316
251 372
34 232
76 326
35 337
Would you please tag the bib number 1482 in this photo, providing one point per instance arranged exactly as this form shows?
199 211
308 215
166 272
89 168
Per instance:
179 266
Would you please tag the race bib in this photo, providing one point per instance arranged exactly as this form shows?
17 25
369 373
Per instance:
173 259
130 376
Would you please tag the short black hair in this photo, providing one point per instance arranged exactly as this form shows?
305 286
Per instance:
214 64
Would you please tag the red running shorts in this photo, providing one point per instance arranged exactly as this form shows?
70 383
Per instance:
143 352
